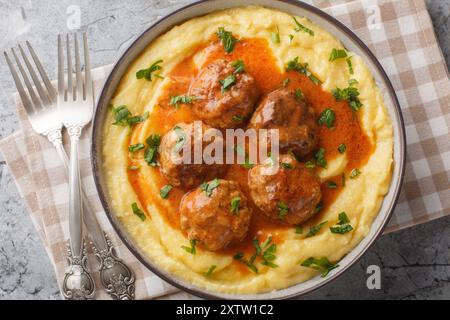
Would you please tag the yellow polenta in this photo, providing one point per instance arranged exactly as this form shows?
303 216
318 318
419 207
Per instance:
360 199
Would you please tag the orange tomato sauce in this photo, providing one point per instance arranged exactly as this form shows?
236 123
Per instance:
261 64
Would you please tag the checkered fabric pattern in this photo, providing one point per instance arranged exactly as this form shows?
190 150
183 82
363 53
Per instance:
403 40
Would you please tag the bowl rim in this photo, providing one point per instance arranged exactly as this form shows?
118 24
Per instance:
204 293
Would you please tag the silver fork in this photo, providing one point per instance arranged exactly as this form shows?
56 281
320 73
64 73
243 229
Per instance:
75 106
41 108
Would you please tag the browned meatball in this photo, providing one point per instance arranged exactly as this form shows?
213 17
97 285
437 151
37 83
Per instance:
171 157
290 195
223 108
215 214
292 116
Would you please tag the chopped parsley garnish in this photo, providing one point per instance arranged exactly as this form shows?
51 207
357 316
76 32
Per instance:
209 187
138 211
228 82
238 66
350 65
342 148
320 158
327 118
227 38
287 165
153 142
350 94
276 36
354 173
343 226
123 117
164 192
301 27
210 270
315 229
299 229
249 263
176 100
234 203
237 118
331 185
294 65
352 82
319 207
282 210
291 37
191 249
298 94
286 82
181 138
322 264
266 251
148 73
257 247
136 147
337 54
310 165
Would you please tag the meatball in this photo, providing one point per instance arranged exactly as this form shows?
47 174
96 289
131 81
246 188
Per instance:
290 195
228 107
215 214
292 115
172 159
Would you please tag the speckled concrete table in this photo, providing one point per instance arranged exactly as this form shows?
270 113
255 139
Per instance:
415 263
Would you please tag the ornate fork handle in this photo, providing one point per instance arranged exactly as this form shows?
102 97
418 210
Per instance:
115 276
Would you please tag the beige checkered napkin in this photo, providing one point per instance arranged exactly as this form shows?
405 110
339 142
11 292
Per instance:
406 45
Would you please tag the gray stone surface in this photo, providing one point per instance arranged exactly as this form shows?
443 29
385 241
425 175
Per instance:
414 262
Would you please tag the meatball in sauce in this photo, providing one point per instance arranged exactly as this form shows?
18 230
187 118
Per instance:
289 112
215 214
290 195
173 166
225 95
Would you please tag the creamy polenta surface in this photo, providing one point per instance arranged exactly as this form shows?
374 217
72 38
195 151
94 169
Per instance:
353 160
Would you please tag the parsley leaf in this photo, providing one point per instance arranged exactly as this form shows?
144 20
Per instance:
342 148
327 117
209 187
287 165
315 229
192 249
343 226
147 73
286 82
153 142
350 65
299 229
237 118
228 82
238 66
235 205
337 54
298 94
136 147
176 100
181 138
282 210
295 65
331 185
276 36
354 173
350 94
320 158
164 192
301 27
322 264
137 211
227 38
210 270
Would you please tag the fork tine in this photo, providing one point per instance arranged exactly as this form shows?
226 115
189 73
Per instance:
87 69
61 84
69 70
44 76
34 77
36 102
79 88
23 95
